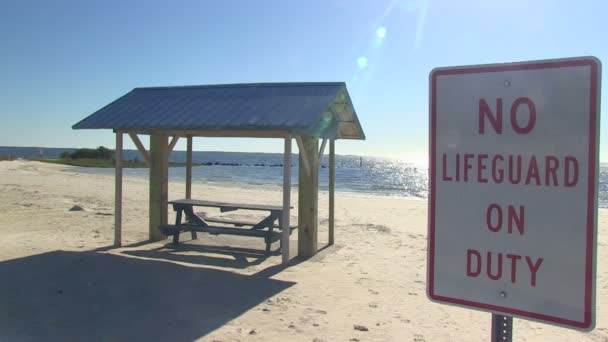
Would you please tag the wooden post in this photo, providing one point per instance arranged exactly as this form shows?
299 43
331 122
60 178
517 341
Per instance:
304 159
158 185
286 231
332 183
189 169
308 197
118 191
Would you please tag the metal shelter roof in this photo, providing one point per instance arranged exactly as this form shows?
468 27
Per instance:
315 109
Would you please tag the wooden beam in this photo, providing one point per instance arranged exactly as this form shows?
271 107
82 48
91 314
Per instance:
321 153
286 201
218 134
118 191
158 185
173 142
189 168
140 147
332 182
322 148
304 158
308 198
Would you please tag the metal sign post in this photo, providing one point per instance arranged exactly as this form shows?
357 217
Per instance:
502 328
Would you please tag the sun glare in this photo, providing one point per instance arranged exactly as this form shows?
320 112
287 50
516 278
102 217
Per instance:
362 62
381 32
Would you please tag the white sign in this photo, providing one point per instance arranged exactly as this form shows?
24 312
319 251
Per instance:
513 189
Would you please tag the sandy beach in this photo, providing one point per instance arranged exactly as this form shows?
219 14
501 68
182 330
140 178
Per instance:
61 280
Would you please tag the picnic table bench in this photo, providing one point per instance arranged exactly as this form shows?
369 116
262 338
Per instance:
197 223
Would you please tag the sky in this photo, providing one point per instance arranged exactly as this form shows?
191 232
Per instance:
60 61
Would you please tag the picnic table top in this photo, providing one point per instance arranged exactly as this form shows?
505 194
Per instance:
226 205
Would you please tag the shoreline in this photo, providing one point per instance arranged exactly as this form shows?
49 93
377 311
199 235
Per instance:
228 184
375 275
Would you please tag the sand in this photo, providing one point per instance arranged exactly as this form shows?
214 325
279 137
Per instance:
60 280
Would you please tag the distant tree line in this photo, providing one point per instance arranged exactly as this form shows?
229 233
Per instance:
89 153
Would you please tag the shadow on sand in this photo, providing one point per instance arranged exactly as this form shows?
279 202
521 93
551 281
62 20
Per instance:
220 256
93 296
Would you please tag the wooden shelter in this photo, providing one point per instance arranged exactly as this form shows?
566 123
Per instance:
307 112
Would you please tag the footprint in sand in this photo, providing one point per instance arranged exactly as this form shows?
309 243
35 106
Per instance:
362 280
419 338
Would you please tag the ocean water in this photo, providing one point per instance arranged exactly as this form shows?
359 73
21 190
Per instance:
365 175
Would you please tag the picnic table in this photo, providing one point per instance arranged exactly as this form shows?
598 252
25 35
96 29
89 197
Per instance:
196 223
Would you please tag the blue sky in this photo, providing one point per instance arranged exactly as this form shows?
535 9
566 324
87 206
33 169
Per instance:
62 60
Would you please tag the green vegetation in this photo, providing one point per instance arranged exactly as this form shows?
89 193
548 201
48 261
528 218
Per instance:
88 157
87 162
99 157
89 153
103 163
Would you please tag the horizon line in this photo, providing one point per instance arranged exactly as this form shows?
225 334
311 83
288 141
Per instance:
346 155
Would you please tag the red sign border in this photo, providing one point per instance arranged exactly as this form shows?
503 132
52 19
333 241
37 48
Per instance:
595 66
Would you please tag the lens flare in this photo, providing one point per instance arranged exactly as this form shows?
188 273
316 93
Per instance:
381 32
409 5
362 62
